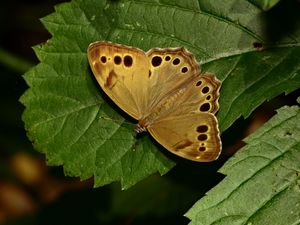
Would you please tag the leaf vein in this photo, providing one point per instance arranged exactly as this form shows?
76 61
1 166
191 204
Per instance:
209 14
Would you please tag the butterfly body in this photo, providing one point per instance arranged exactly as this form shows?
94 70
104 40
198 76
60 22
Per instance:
166 92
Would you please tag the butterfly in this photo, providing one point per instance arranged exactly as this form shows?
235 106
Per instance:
165 90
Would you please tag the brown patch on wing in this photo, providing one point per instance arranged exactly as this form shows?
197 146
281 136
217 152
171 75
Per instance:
183 144
111 80
94 54
97 67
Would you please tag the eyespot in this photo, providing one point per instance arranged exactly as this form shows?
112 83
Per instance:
202 128
156 61
202 137
205 90
176 61
103 59
167 58
150 73
128 61
202 149
184 69
205 107
208 97
199 83
117 60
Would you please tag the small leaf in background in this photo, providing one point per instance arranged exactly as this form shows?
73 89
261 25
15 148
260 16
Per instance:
262 182
74 124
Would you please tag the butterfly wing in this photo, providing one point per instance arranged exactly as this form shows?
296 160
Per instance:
170 68
199 93
123 74
184 122
194 136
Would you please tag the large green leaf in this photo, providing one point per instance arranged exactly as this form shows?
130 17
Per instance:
70 120
262 182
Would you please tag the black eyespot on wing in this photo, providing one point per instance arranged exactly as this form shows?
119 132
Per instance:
208 97
199 83
103 59
202 137
128 61
156 61
176 61
150 73
202 128
205 90
202 149
205 107
167 58
184 69
117 60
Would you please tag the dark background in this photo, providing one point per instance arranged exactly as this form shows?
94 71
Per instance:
33 193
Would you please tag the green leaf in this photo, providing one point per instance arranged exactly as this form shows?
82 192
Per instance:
265 4
69 118
262 182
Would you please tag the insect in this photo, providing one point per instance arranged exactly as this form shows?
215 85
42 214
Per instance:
165 90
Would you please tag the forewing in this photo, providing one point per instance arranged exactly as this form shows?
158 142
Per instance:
123 74
177 86
170 68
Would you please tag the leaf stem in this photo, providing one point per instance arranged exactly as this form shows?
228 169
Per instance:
14 62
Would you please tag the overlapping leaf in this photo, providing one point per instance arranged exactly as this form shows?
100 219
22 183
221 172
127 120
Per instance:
262 182
70 120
